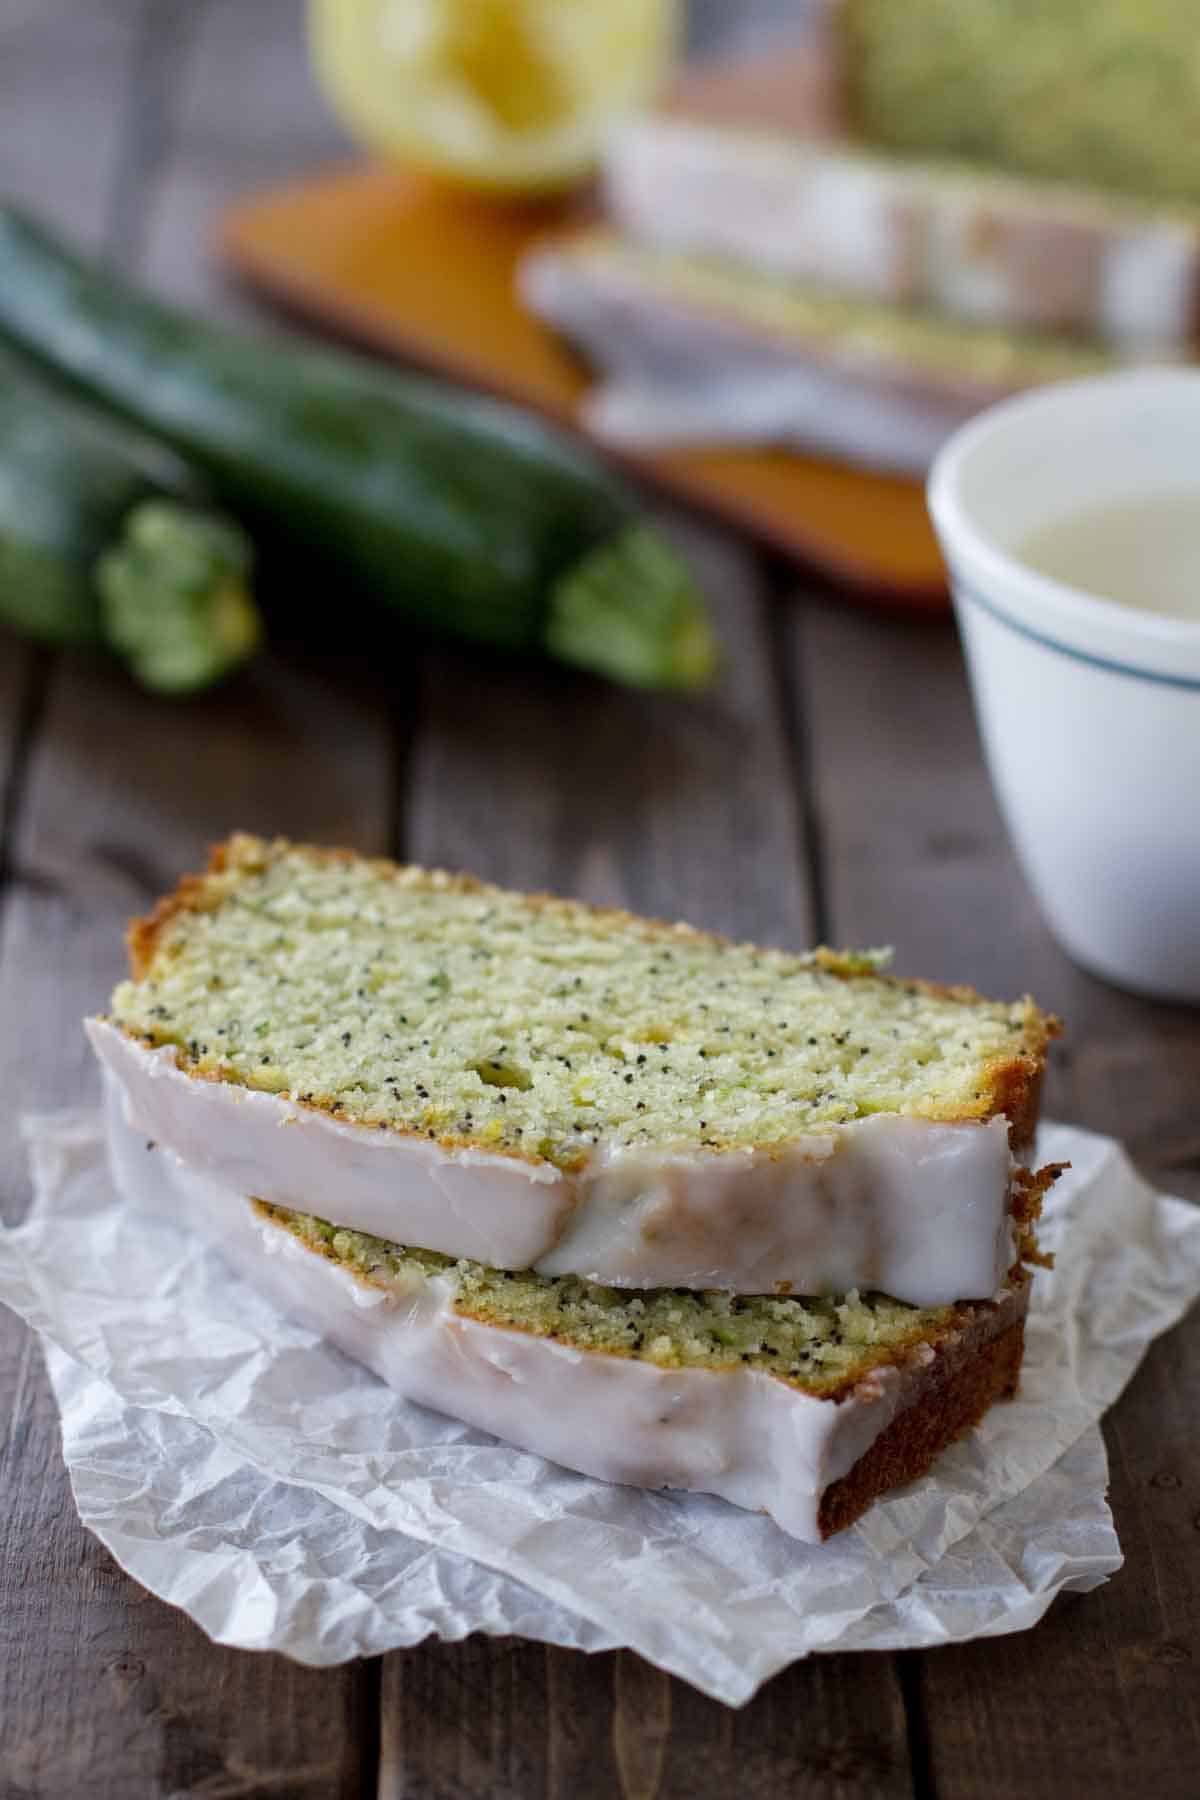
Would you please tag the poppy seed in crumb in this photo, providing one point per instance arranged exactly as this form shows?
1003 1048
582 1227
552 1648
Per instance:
317 955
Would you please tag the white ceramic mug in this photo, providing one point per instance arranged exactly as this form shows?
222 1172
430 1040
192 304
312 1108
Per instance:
1089 711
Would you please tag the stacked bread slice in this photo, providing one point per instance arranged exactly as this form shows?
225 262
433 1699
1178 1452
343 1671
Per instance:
666 1209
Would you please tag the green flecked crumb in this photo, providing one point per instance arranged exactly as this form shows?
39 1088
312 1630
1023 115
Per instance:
410 1000
820 1344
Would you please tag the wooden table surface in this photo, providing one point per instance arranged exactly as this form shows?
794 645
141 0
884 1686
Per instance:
832 790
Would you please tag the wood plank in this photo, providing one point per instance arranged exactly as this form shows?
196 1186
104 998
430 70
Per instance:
86 62
65 75
247 115
85 59
668 807
21 672
249 84
500 1720
105 1691
536 778
100 1684
914 853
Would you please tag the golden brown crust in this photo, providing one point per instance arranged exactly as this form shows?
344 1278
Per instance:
961 1391
1010 1085
143 936
963 1324
1029 1190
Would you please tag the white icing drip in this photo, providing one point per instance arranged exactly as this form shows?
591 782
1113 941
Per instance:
912 1207
740 1434
820 408
1150 287
805 211
497 1209
994 250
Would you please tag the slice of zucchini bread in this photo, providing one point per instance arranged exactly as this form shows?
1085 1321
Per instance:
1100 91
536 1083
805 1409
971 243
697 350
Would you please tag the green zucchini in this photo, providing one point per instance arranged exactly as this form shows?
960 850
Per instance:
468 514
102 543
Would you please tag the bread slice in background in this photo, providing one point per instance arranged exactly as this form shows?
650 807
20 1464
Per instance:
971 243
1105 92
692 351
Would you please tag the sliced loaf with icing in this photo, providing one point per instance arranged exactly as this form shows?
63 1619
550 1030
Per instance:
806 1410
971 243
541 1085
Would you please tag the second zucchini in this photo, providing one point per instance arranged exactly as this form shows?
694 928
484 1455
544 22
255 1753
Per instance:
105 539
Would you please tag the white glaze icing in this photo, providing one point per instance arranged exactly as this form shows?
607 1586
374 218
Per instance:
740 1434
996 250
679 374
1150 286
802 210
912 1207
915 1208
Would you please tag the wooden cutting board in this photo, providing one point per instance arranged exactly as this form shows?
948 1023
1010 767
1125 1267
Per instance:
402 264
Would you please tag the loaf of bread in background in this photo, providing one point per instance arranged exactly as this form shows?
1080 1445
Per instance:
695 352
972 244
1105 92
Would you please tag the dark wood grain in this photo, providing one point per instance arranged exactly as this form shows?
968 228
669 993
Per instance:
103 1690
245 113
634 801
121 792
86 59
66 85
913 852
623 799
505 1721
20 685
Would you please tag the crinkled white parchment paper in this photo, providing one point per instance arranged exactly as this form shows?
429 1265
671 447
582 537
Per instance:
287 1500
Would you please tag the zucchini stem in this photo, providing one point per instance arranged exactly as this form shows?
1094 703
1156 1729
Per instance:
175 600
630 610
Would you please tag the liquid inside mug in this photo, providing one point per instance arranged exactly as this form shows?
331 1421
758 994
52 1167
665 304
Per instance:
1089 709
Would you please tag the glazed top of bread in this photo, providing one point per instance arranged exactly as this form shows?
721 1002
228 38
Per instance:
431 1004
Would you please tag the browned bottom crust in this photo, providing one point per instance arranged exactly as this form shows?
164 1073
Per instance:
960 1394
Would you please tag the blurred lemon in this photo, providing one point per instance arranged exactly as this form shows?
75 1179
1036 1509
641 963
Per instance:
495 93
